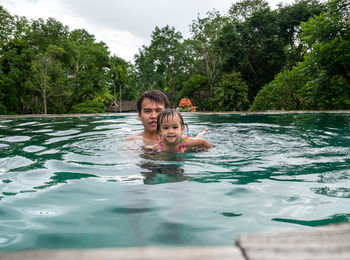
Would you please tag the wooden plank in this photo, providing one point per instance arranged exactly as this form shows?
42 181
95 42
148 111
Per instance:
322 243
181 253
127 106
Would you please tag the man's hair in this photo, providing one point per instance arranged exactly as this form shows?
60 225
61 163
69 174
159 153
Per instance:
154 95
167 114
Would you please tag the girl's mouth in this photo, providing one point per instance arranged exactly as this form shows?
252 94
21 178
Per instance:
171 137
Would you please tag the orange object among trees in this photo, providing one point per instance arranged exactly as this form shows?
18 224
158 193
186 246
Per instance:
185 105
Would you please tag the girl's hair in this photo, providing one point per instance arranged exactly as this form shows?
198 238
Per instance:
169 114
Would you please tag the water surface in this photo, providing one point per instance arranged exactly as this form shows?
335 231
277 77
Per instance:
74 183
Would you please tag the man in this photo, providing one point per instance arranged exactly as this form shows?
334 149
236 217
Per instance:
149 105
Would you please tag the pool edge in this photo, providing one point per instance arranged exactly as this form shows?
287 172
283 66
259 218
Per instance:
326 242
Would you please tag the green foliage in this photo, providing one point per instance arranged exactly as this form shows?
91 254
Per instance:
231 94
88 66
207 58
327 41
44 67
195 83
89 106
282 93
162 65
322 80
3 110
289 18
260 42
192 88
251 44
47 74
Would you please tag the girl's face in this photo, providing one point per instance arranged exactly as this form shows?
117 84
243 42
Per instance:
171 130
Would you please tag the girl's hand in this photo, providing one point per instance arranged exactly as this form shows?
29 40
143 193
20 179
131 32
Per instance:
206 129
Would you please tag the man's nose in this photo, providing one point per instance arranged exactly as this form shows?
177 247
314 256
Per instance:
154 114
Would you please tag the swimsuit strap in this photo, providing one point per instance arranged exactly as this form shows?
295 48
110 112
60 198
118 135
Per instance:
160 145
182 147
183 144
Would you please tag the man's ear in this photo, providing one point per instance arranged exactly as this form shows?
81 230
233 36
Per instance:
139 115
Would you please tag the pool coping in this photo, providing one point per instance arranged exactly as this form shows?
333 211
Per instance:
269 112
326 242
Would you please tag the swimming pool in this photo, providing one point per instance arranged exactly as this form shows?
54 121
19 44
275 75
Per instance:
72 182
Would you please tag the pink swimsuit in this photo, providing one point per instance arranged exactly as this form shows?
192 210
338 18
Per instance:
182 147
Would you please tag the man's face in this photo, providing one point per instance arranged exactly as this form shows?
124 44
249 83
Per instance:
149 112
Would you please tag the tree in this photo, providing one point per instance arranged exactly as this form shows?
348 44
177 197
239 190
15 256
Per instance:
193 88
88 66
114 71
47 71
282 93
145 70
15 58
327 38
195 83
205 32
327 43
163 61
7 26
121 78
232 93
251 44
47 40
289 18
321 80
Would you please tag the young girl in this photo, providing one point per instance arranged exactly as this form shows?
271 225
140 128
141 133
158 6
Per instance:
171 126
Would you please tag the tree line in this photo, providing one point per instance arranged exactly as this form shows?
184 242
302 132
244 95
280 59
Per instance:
296 56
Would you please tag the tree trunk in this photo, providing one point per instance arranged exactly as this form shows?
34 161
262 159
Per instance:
44 101
346 76
120 98
115 96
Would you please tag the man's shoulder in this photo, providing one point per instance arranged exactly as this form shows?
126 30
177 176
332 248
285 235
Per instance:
134 137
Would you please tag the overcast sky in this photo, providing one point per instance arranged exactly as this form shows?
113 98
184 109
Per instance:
124 25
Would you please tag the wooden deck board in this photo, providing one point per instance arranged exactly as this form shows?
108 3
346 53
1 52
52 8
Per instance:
182 253
321 243
329 242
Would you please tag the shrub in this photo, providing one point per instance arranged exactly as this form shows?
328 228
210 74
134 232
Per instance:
231 94
89 106
280 94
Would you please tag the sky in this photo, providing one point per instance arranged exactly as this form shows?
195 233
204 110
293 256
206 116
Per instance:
124 25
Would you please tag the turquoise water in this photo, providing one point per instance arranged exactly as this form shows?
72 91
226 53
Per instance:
74 183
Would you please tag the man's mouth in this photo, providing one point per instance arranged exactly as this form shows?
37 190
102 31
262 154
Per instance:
153 123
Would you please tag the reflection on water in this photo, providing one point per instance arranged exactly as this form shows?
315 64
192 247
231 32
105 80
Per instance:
337 218
162 173
75 183
162 167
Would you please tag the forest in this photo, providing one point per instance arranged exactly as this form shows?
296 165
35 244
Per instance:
294 57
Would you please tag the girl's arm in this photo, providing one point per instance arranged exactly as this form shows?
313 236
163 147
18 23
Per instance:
199 143
202 133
